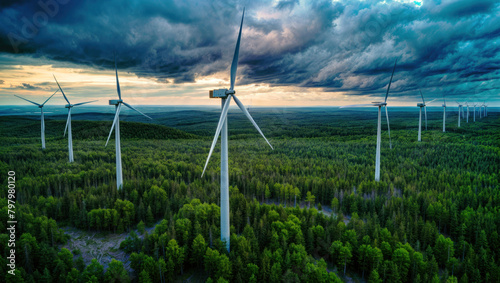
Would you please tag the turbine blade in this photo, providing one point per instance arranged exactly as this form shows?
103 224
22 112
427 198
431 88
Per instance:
117 82
431 101
242 107
49 97
422 96
61 89
129 106
67 121
388 127
117 115
356 105
81 103
389 86
234 64
27 100
222 119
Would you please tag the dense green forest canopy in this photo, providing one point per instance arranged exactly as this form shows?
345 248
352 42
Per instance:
307 211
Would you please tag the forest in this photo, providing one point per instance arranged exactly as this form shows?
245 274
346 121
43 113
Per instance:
307 211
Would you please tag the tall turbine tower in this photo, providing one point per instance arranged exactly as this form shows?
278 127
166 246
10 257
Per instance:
226 95
444 114
421 105
116 125
68 122
41 115
379 124
475 112
459 109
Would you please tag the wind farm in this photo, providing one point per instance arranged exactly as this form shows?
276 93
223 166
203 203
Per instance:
296 181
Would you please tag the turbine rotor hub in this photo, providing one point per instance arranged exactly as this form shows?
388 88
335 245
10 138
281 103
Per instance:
220 93
68 106
115 101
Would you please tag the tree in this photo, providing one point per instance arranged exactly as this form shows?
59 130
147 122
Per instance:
199 249
141 227
443 250
177 254
116 272
374 277
94 269
401 258
310 198
335 204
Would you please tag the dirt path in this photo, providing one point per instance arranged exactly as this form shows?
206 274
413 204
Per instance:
102 246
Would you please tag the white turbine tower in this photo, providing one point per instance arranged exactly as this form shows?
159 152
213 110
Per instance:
459 109
68 122
226 95
475 112
41 115
379 124
421 105
444 114
116 125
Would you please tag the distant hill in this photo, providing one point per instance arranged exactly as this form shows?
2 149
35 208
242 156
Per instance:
15 126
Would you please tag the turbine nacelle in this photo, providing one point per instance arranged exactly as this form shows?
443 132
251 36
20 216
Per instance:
444 105
68 106
221 93
380 104
420 104
115 101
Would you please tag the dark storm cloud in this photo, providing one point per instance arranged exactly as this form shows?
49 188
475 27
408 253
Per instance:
448 47
27 86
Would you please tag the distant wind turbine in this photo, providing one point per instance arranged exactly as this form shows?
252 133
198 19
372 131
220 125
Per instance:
444 114
422 105
226 96
459 109
68 122
116 125
379 124
41 113
475 112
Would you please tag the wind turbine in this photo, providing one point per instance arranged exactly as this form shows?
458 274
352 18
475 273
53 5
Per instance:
444 114
475 112
421 105
226 95
68 122
379 124
41 113
116 125
459 109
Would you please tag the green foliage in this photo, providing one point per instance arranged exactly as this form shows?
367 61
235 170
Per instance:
434 213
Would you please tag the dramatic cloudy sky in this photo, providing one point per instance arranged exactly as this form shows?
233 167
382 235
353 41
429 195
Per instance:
293 52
